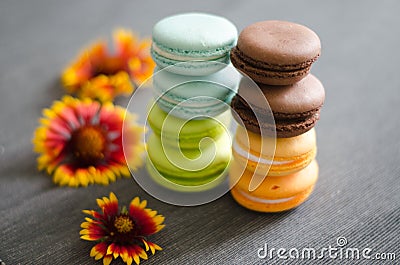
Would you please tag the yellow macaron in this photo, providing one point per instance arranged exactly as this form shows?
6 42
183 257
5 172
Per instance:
274 156
275 193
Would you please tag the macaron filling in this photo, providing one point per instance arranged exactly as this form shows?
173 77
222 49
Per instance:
238 149
264 201
257 65
183 56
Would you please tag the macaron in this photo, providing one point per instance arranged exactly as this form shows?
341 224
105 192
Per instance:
202 40
197 97
186 134
189 170
273 156
276 52
274 194
295 108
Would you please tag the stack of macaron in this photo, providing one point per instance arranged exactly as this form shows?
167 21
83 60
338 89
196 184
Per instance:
189 148
274 149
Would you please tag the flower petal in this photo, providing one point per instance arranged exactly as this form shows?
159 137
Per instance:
107 259
136 253
98 251
114 250
153 247
148 223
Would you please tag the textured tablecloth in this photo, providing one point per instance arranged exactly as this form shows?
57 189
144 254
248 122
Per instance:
357 197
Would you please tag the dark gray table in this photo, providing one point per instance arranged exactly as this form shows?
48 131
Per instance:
357 196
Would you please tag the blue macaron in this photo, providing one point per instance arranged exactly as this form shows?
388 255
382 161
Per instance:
203 40
195 97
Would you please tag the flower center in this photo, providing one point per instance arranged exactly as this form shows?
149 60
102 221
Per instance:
123 224
88 144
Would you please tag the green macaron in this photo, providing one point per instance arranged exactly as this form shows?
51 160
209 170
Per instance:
189 170
186 134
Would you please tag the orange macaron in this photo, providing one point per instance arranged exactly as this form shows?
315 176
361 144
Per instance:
275 193
274 156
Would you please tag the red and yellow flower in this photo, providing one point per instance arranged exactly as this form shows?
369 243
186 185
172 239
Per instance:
121 232
102 75
80 142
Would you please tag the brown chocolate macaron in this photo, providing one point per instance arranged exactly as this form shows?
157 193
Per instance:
295 107
276 52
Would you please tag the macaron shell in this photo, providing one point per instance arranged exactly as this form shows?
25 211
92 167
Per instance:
283 128
202 40
275 187
276 52
282 168
295 108
258 206
279 43
190 164
218 85
304 96
257 154
187 132
180 185
195 35
285 148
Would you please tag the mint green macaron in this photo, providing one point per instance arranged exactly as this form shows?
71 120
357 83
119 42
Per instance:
201 40
197 97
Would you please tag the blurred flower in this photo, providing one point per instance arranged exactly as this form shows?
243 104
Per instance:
121 233
80 142
99 74
136 53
